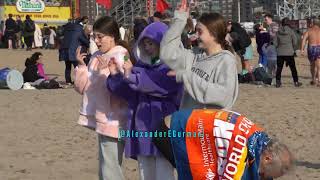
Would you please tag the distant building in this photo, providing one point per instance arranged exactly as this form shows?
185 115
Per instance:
93 10
246 10
226 7
267 6
230 9
88 8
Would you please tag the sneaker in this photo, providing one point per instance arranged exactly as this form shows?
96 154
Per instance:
70 83
297 84
278 84
28 86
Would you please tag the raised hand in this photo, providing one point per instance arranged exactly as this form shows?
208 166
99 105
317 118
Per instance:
80 56
127 66
184 6
113 67
171 73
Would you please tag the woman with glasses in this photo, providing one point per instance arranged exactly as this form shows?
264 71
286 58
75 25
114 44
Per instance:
101 110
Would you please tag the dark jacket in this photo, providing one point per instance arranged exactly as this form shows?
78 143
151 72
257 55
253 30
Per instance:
10 28
30 73
19 27
240 38
74 36
262 37
28 23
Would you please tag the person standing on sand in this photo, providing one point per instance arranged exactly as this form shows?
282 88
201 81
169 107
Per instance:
101 110
285 41
210 76
151 96
273 27
313 39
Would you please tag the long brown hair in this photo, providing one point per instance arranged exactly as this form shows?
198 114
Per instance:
217 27
109 26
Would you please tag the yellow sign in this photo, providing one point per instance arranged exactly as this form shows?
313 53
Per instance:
50 14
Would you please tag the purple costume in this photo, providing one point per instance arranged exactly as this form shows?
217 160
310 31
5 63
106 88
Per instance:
150 93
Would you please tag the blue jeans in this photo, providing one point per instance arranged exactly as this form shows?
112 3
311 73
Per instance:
263 60
110 158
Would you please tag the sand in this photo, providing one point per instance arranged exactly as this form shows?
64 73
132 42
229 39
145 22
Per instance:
40 139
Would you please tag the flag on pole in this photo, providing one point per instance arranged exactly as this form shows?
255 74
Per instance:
105 3
161 5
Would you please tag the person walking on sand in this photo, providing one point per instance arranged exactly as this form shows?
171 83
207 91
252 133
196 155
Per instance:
74 36
313 39
285 41
10 31
28 32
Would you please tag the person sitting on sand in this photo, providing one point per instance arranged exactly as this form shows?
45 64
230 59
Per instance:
34 68
34 74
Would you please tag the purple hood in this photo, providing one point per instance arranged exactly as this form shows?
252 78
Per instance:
154 31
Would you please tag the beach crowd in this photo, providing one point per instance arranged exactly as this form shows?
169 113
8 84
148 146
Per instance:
172 74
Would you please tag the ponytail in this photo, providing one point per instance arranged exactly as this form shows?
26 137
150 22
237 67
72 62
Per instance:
226 46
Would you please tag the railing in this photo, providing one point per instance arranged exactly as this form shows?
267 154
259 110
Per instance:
127 10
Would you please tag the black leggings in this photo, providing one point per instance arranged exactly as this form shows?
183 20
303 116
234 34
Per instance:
29 40
290 61
67 72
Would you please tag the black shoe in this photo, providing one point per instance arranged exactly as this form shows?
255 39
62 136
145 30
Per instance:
297 84
278 84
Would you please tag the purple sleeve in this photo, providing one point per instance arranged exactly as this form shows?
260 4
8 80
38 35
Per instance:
117 85
154 82
41 71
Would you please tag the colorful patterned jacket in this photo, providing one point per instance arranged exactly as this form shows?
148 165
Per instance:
216 144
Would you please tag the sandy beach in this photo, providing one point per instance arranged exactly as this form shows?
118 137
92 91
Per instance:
40 139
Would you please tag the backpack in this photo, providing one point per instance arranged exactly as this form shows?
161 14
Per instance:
245 78
49 84
260 74
30 26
